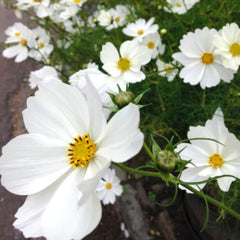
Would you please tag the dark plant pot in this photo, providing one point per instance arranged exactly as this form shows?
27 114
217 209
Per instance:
196 213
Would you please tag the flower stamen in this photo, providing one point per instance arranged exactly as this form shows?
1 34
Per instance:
216 160
235 49
151 45
140 32
124 64
81 151
108 185
207 58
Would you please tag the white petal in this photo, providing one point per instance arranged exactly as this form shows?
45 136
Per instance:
58 110
31 162
29 214
64 218
224 183
123 138
97 120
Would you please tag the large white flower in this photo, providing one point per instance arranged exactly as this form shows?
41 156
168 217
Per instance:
227 44
211 158
125 68
201 64
140 28
62 158
109 187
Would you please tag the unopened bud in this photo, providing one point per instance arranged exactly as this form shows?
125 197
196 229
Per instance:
166 160
123 98
163 31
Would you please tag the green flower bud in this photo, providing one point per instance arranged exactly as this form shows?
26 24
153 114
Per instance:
166 160
123 98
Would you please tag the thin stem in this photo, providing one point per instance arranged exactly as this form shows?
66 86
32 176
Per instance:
175 180
148 151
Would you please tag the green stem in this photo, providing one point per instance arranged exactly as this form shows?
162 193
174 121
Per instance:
175 180
148 151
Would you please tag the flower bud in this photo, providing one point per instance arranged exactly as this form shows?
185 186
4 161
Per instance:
163 31
166 160
123 98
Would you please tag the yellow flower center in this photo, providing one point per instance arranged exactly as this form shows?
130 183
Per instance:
23 42
37 0
178 5
151 45
17 34
167 69
235 49
140 32
41 44
77 1
108 185
81 151
117 19
207 58
216 160
124 64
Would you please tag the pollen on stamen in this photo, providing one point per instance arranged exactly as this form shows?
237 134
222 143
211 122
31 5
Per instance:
81 151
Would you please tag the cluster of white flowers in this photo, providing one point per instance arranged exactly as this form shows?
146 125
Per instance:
71 140
24 43
209 56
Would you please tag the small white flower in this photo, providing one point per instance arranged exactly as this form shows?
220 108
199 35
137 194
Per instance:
45 74
166 70
201 64
40 7
140 28
99 81
109 187
125 68
180 6
62 158
104 18
227 44
119 16
42 48
208 157
20 38
154 44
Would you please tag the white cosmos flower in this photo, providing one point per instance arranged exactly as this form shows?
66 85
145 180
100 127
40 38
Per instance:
166 69
62 158
227 44
140 28
208 157
154 44
21 38
98 79
40 7
104 18
201 64
180 6
42 48
124 68
109 187
45 74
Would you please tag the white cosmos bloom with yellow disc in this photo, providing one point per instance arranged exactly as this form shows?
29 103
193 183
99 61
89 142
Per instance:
211 158
201 64
126 67
60 161
227 44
